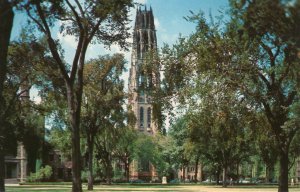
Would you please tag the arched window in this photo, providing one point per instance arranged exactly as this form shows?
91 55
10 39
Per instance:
149 117
141 116
141 79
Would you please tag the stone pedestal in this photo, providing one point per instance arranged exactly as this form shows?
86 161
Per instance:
164 180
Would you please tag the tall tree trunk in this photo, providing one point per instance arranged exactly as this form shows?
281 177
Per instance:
2 172
76 166
237 172
269 170
196 169
283 178
201 172
183 173
127 169
90 163
74 114
218 176
224 176
6 23
109 170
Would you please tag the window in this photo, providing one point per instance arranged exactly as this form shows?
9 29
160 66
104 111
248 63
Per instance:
149 117
141 116
141 79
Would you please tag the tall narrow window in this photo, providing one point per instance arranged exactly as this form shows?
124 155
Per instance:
141 116
149 117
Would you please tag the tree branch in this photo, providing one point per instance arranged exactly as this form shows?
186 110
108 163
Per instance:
79 45
36 21
265 80
94 30
80 8
272 59
290 98
51 42
284 75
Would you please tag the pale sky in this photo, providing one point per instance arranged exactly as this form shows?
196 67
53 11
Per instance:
169 22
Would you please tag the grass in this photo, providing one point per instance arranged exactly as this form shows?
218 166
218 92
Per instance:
64 187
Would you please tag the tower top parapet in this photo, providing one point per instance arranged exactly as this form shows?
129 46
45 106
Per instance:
144 18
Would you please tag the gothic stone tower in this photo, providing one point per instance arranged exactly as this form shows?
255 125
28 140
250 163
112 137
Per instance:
141 82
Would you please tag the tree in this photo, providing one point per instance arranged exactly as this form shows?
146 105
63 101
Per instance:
104 96
179 134
6 23
106 143
147 152
89 21
125 148
270 47
221 129
255 53
266 145
21 61
216 115
169 155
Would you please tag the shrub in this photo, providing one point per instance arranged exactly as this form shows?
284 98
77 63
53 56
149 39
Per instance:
43 174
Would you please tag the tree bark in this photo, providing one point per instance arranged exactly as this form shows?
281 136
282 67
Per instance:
283 178
76 167
2 172
127 169
196 169
224 184
201 172
269 173
237 172
109 170
74 115
183 173
6 23
218 176
90 163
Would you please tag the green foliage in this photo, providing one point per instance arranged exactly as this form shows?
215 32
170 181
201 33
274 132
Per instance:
147 148
41 175
60 139
103 115
125 148
179 137
228 73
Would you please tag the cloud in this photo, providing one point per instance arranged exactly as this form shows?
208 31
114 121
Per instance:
69 44
141 1
34 95
67 40
156 23
168 38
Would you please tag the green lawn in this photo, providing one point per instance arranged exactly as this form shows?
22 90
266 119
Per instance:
65 187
